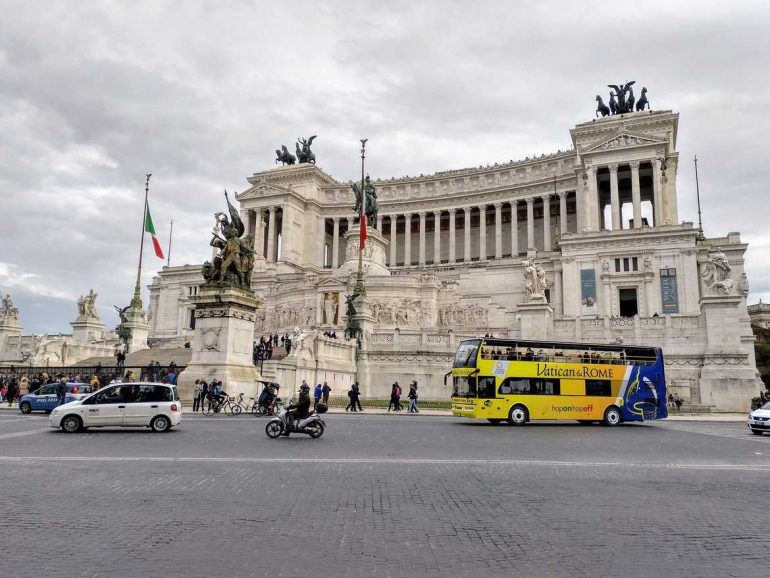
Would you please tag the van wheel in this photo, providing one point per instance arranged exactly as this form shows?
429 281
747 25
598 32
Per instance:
612 416
71 424
518 415
25 407
757 432
160 423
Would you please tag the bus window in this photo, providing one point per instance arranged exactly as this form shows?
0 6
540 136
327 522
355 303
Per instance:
486 387
466 353
599 387
464 387
544 386
529 386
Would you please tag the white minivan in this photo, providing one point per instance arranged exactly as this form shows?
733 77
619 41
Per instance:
153 405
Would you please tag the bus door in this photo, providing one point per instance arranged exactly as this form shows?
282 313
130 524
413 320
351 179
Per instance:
488 404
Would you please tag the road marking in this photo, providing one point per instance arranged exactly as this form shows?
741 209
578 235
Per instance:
19 434
386 461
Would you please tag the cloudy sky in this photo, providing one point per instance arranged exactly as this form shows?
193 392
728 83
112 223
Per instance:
94 95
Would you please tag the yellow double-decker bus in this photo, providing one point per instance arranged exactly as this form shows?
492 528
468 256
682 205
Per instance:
520 381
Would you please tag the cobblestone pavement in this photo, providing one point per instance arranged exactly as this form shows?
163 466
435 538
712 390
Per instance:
384 496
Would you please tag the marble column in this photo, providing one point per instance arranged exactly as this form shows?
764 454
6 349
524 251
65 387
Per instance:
421 251
452 252
530 224
556 298
483 233
436 237
407 239
498 230
321 241
672 214
547 222
271 235
467 231
562 212
259 235
514 229
379 224
657 198
393 227
591 218
336 243
636 195
614 198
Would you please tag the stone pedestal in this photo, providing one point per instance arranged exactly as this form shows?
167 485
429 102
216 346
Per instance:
374 253
366 321
9 327
728 378
536 320
87 329
136 324
222 346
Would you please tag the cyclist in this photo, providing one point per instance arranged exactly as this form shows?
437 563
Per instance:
299 410
218 394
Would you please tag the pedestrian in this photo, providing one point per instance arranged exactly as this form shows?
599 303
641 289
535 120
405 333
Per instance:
671 400
287 344
357 396
2 392
394 389
94 383
351 404
197 388
61 390
12 391
23 386
678 401
317 390
205 393
269 350
412 406
325 390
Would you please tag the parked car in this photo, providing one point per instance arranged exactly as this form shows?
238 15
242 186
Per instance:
153 405
759 420
45 398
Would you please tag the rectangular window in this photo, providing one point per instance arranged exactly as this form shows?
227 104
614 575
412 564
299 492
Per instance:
529 386
191 320
617 265
625 264
486 387
635 263
599 387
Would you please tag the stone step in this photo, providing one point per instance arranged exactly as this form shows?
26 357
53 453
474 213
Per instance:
692 408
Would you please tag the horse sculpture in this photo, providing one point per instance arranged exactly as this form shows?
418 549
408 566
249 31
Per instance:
601 107
304 154
642 102
284 156
613 104
631 99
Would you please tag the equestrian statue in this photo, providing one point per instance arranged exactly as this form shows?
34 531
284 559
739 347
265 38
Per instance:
372 206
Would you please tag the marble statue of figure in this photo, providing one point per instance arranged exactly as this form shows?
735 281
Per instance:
329 309
534 280
743 285
87 305
302 343
716 272
8 311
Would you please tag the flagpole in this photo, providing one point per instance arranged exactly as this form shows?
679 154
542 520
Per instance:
137 300
360 289
697 196
170 232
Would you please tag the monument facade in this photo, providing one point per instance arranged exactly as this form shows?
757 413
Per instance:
579 245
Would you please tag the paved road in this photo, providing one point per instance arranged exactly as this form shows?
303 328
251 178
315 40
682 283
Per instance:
384 496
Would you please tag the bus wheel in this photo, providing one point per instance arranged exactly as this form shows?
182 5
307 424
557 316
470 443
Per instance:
518 415
494 421
612 416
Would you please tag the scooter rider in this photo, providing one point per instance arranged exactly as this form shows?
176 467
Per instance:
299 410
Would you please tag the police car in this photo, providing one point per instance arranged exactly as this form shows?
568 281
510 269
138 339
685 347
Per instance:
45 398
152 405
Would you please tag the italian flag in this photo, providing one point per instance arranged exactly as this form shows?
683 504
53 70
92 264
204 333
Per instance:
150 228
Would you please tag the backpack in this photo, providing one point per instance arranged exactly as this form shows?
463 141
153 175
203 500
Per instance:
398 391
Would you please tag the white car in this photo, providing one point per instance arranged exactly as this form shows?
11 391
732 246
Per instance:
759 420
153 405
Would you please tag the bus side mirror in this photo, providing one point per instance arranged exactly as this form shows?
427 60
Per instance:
447 374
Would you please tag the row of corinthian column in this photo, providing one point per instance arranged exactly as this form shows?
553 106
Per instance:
454 257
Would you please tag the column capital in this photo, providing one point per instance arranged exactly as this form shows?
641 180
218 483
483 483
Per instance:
613 167
482 208
634 165
408 216
422 215
452 211
437 212
546 197
562 194
514 203
336 220
530 200
467 210
498 206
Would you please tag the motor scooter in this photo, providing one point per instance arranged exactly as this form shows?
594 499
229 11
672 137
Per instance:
312 425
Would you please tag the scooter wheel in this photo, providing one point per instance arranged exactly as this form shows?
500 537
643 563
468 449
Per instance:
273 429
316 431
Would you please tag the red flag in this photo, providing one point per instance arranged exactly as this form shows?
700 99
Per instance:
363 231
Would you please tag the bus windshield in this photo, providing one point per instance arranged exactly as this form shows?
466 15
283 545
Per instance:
466 353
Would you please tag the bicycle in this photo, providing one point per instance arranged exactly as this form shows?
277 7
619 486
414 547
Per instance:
225 405
239 406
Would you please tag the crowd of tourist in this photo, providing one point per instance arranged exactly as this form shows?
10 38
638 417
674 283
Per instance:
529 354
263 349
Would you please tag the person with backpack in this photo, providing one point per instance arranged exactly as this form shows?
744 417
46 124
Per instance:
325 390
395 394
317 390
351 403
